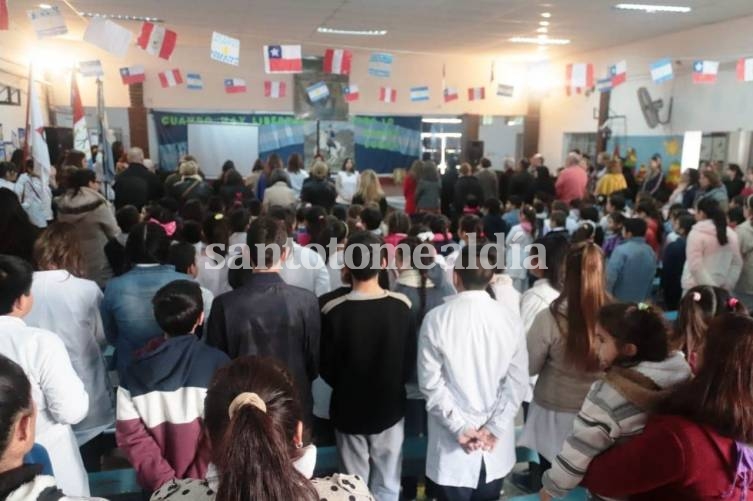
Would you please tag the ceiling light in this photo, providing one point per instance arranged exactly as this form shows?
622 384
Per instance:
367 33
546 15
540 41
45 6
121 17
543 23
442 120
653 8
543 29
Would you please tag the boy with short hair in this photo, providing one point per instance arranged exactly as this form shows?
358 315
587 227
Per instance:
367 364
161 395
512 210
632 266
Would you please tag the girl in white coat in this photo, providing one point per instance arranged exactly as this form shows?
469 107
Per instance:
518 243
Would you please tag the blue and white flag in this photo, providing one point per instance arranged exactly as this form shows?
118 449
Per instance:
318 91
380 64
661 70
193 81
419 94
604 84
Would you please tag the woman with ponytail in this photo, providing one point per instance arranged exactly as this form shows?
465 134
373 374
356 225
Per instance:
253 421
562 351
712 251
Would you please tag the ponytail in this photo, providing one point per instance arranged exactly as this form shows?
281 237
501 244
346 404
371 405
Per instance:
711 208
697 308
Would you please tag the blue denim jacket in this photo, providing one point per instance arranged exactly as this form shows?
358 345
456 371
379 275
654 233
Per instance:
631 270
127 313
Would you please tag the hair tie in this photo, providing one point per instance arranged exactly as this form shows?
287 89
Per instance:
643 307
697 296
732 303
244 399
426 236
169 227
219 216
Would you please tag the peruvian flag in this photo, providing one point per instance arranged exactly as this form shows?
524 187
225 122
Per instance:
80 134
476 93
157 40
387 95
283 59
36 140
745 70
170 78
337 61
351 93
235 85
274 89
3 14
450 94
579 76
132 75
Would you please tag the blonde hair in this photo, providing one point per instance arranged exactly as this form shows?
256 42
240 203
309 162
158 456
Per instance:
319 170
465 169
369 187
188 168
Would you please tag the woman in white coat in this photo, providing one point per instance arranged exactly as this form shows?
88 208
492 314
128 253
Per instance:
69 306
58 393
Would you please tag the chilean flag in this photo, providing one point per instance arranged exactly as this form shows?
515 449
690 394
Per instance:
387 95
157 40
351 93
579 76
170 78
618 72
282 59
235 85
705 72
132 75
476 93
337 61
275 89
450 94
745 70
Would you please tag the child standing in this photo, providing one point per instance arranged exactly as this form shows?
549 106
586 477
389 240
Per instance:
633 347
518 242
615 222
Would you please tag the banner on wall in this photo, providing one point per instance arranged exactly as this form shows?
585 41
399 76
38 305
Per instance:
386 143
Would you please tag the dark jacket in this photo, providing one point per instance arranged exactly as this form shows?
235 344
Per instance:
671 273
467 188
232 193
137 186
318 192
190 189
267 317
522 185
494 224
359 200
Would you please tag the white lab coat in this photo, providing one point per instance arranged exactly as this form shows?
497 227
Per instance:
58 393
473 372
312 276
69 307
532 302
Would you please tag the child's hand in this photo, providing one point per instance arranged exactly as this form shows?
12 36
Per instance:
544 495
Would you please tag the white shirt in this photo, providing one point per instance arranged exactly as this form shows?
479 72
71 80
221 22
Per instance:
516 252
473 371
347 185
305 268
334 268
35 199
532 302
69 306
58 393
506 293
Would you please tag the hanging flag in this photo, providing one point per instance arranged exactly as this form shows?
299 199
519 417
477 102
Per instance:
194 82
282 59
36 140
605 84
380 64
47 22
108 36
225 49
3 15
157 40
618 73
274 89
91 68
419 94
491 78
450 94
351 92
318 91
337 61
661 70
745 70
579 76
235 85
170 78
132 75
476 93
80 133
505 90
105 161
387 95
705 72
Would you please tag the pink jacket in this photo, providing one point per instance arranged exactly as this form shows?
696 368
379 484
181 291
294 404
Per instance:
707 262
571 184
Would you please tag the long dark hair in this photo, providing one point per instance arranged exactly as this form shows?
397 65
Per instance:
409 245
80 178
698 307
644 327
711 208
254 450
15 398
18 234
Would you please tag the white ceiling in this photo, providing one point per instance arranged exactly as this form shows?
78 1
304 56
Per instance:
472 27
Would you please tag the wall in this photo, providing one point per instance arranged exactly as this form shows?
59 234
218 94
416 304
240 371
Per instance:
500 140
14 117
710 108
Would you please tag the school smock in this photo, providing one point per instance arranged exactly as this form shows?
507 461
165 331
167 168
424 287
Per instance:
58 393
473 372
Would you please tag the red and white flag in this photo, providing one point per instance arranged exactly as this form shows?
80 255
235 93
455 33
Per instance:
450 94
36 140
618 73
337 61
80 133
235 85
132 75
157 40
282 59
745 70
476 93
274 89
387 95
705 72
579 76
351 93
170 78
3 14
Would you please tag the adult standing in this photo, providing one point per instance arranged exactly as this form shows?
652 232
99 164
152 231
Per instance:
191 185
428 188
712 187
735 180
137 185
35 196
279 193
521 182
296 173
90 213
654 182
686 190
317 190
409 187
612 181
468 190
543 182
573 180
346 182
488 179
233 190
370 191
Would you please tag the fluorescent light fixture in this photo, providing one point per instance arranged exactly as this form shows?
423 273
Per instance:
651 9
543 23
543 29
366 33
121 17
540 41
546 15
45 6
442 120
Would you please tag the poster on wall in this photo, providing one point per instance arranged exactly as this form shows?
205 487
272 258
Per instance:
385 143
318 95
335 141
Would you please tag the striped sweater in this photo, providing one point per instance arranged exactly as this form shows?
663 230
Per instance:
161 407
616 408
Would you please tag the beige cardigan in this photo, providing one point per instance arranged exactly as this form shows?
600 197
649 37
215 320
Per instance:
560 387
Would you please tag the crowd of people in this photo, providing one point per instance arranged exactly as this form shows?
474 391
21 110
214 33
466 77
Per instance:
340 332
